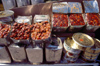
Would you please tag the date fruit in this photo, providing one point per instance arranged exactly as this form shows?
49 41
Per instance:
60 20
41 30
4 30
20 31
93 19
76 19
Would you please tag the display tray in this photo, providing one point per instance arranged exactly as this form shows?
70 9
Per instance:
76 64
46 9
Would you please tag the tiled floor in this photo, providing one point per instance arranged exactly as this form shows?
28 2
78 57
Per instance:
1 7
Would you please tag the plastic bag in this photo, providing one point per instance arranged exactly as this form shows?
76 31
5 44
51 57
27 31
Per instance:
91 6
74 7
8 4
61 7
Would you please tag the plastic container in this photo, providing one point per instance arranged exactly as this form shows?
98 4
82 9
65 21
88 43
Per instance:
36 1
76 28
9 4
4 56
24 19
17 52
22 3
53 51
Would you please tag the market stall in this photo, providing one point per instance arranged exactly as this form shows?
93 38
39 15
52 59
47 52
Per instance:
51 33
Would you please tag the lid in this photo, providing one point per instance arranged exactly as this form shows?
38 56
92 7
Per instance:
83 40
96 44
68 43
6 13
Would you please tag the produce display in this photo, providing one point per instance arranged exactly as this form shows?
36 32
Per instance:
31 38
60 20
20 31
93 19
4 30
76 19
41 30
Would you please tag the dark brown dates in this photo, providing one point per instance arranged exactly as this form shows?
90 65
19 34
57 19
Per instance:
20 31
4 30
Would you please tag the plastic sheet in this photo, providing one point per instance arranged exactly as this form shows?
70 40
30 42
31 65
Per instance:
74 7
61 7
91 6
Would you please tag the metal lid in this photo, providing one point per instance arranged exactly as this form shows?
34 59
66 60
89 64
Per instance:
96 44
6 13
68 43
83 40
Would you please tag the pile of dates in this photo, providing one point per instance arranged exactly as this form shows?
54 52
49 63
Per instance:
41 30
76 19
93 19
20 31
60 20
4 30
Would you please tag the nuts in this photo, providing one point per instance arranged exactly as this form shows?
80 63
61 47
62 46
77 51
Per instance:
4 30
93 19
20 31
76 19
60 20
40 30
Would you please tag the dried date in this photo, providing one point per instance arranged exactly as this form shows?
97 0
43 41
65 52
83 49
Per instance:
40 31
60 20
93 19
76 19
4 30
20 31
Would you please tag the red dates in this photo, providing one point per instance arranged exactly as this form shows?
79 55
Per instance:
60 20
4 30
93 19
20 31
76 19
41 30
